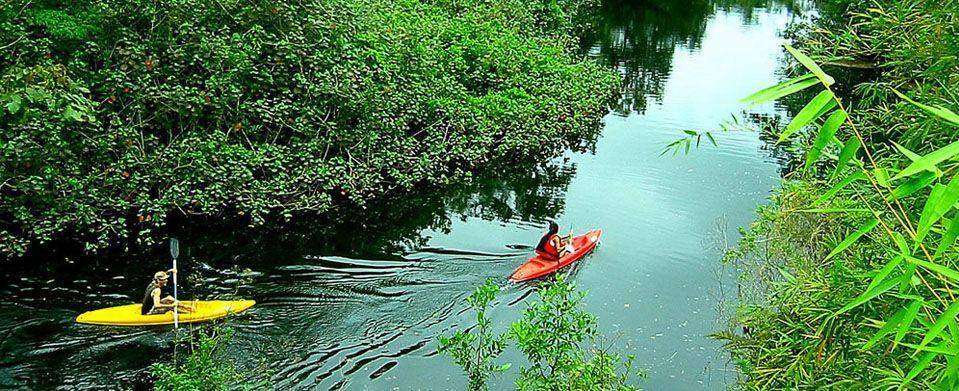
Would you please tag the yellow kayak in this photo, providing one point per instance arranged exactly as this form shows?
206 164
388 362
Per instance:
129 315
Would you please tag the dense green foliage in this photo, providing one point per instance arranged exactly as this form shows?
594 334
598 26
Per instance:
557 336
203 368
116 113
852 271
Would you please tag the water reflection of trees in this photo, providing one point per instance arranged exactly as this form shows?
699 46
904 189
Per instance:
639 38
524 192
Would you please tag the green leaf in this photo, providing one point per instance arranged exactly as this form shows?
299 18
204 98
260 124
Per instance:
949 315
849 240
914 184
907 319
870 294
887 328
944 270
905 151
884 271
949 237
782 89
808 113
930 161
811 66
940 112
826 133
940 200
921 365
846 154
856 176
13 106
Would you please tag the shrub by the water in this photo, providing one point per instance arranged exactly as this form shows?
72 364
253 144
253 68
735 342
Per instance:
203 367
558 337
116 113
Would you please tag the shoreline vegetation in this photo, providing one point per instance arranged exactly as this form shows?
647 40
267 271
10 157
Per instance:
122 114
849 275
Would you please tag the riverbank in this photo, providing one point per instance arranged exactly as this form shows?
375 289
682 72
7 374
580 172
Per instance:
120 115
850 272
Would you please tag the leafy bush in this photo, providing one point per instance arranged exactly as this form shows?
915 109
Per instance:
115 113
204 368
558 338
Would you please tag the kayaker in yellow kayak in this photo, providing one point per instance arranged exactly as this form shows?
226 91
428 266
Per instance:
157 299
553 246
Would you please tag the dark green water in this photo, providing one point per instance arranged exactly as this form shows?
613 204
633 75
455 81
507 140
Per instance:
357 302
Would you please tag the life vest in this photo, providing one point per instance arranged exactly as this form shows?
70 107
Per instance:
549 249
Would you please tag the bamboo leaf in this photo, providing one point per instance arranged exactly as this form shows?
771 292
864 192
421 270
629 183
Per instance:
833 210
858 175
944 270
849 240
848 151
870 294
811 66
782 89
808 113
930 161
826 133
914 184
884 271
947 316
887 328
923 362
949 237
940 112
907 319
905 151
940 200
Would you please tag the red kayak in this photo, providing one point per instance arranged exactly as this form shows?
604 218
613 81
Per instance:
538 266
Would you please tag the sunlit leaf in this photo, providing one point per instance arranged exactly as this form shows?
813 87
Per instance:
856 176
907 319
870 294
929 162
884 271
891 325
848 151
949 315
826 133
905 151
921 365
940 200
852 238
808 113
782 89
940 112
949 237
915 183
943 270
811 66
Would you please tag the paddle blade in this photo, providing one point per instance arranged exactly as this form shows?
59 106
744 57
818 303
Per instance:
174 248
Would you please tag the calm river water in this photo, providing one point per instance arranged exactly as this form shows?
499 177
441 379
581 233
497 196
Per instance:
358 303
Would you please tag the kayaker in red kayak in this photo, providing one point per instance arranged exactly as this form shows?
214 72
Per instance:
552 246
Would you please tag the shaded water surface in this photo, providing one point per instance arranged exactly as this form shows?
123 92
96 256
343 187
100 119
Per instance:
357 302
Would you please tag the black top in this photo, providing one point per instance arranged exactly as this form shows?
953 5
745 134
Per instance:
147 304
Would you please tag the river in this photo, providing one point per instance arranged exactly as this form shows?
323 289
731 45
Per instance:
356 301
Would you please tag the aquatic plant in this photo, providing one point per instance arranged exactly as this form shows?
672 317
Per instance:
204 367
475 349
558 337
